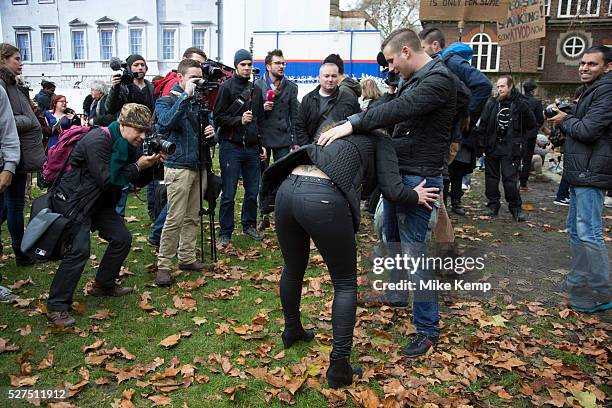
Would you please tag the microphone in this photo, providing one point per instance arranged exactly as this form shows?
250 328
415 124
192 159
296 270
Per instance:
270 95
115 64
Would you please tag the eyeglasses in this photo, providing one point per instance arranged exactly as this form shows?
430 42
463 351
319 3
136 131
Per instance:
283 63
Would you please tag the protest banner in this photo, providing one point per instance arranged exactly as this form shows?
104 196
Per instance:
525 21
463 10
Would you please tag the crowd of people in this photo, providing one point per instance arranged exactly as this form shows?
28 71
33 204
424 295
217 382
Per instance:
411 146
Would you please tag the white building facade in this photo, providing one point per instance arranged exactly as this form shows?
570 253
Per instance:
71 41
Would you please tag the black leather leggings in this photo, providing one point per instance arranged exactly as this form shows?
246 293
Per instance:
311 207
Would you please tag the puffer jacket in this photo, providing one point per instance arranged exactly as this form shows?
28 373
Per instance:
422 115
588 137
28 126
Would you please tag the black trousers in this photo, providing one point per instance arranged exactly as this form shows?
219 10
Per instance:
310 207
456 171
110 227
506 168
528 150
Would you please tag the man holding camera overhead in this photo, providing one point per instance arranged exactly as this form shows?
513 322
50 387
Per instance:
177 117
238 114
139 90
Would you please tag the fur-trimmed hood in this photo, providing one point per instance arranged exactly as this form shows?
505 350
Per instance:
7 75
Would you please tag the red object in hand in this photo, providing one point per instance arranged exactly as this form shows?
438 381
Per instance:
270 95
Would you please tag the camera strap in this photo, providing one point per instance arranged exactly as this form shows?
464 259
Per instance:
241 100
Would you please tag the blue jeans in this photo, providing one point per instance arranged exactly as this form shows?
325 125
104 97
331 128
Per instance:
409 226
158 225
236 160
14 201
120 209
588 281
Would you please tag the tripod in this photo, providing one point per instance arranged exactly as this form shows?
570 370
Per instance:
205 163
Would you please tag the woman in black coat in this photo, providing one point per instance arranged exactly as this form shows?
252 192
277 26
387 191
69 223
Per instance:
315 191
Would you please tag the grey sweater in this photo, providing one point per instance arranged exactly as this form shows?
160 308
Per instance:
9 139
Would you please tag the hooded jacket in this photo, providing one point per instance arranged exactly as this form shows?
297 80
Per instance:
43 100
422 115
349 84
28 126
309 118
588 137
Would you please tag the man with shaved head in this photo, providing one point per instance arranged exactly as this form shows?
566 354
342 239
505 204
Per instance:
324 105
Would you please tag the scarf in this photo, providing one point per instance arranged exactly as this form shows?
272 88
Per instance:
119 155
271 84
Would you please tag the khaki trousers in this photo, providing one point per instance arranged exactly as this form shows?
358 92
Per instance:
181 224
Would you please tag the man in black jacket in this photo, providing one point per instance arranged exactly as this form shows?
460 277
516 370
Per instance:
238 116
501 132
139 91
535 106
43 98
323 106
101 165
422 113
588 169
280 113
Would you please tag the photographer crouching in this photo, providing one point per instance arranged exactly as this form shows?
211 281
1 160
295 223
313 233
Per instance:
87 193
177 116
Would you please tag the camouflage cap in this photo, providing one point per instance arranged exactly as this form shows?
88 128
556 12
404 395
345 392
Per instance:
136 116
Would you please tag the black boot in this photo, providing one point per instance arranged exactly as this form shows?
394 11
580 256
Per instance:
517 214
456 207
491 211
293 336
340 372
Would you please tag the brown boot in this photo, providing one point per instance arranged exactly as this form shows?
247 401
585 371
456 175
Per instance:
163 278
61 318
114 291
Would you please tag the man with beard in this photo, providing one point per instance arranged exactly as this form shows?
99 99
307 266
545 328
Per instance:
501 131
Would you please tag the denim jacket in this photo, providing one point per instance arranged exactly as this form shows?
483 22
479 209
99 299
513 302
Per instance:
175 115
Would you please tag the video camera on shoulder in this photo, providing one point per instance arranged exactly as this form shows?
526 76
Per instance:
392 78
564 106
127 76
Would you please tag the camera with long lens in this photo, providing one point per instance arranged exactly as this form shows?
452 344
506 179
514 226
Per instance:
563 106
155 144
392 78
127 76
212 76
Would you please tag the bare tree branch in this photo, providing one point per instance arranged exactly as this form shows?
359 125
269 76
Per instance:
392 14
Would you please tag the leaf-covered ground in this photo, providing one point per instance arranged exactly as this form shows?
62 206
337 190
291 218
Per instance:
213 340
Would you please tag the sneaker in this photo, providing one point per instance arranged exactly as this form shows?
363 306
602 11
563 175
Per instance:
253 233
379 299
419 345
61 319
564 202
113 291
465 187
223 241
608 202
491 212
6 296
458 210
195 266
598 308
153 243
264 223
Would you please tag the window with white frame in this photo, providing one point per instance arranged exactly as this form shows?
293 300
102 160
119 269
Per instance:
199 38
547 8
486 53
106 44
22 39
136 41
541 55
19 2
589 8
49 46
573 46
568 8
168 43
46 1
78 44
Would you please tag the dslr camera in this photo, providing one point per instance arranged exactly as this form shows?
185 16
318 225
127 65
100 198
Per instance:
563 106
127 76
154 144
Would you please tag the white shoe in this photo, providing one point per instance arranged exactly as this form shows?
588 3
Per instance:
6 296
465 187
608 202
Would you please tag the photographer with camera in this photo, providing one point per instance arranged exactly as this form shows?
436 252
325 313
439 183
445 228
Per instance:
177 116
87 193
280 112
588 169
130 86
238 115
